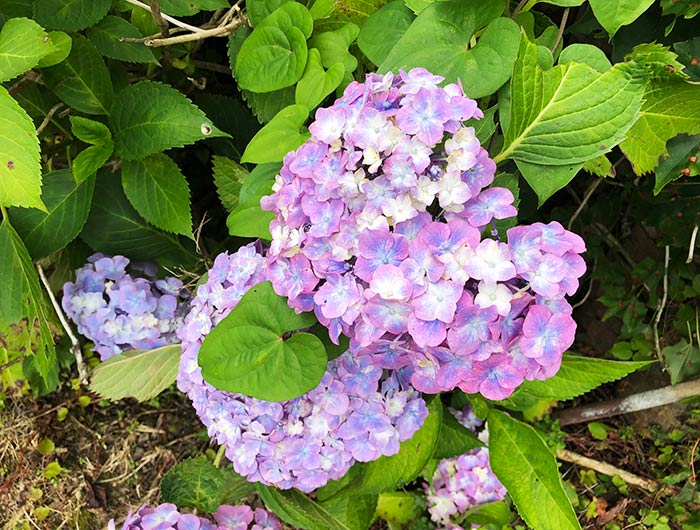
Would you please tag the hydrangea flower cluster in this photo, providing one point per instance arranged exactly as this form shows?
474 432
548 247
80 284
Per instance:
357 412
463 482
384 226
167 517
120 310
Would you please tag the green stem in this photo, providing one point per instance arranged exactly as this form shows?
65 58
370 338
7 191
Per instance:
3 211
219 456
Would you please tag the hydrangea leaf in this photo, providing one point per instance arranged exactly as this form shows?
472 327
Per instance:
568 114
682 361
247 219
389 472
449 26
265 106
20 170
671 107
547 180
68 207
90 160
278 137
561 3
688 53
22 296
194 483
383 29
250 349
454 439
527 468
297 509
657 60
90 131
114 227
587 54
150 117
82 81
159 192
613 14
138 374
680 150
399 507
228 178
23 43
599 166
257 10
317 83
106 34
186 8
576 376
62 44
355 511
274 54
70 15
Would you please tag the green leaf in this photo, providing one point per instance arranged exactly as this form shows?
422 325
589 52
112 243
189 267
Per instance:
354 511
449 27
20 170
568 114
528 470
682 361
90 160
278 137
257 10
671 107
454 439
247 219
70 15
547 180
599 166
186 8
228 178
399 507
266 106
150 117
236 487
688 54
680 150
138 374
586 54
383 29
613 14
297 509
105 36
274 55
333 47
598 430
248 350
23 43
259 182
388 473
657 60
90 131
82 81
194 483
576 376
484 127
159 192
114 227
22 296
62 44
316 83
68 208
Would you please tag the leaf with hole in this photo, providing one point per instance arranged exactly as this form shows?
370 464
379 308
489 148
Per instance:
159 192
138 374
252 347
68 207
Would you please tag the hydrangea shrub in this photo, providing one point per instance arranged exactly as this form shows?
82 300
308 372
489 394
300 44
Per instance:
385 227
357 413
120 310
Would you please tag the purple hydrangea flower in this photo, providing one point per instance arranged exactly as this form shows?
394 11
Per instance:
358 412
382 228
167 517
120 310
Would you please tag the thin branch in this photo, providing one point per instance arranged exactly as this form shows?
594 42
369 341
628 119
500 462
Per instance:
634 403
170 19
48 117
30 77
607 469
12 362
158 18
75 345
560 34
586 197
662 304
220 31
518 8
213 67
691 247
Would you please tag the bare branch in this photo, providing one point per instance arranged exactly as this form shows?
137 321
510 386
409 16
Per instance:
170 19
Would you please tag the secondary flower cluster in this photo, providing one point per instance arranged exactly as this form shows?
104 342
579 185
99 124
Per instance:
463 482
357 413
120 310
380 225
167 517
